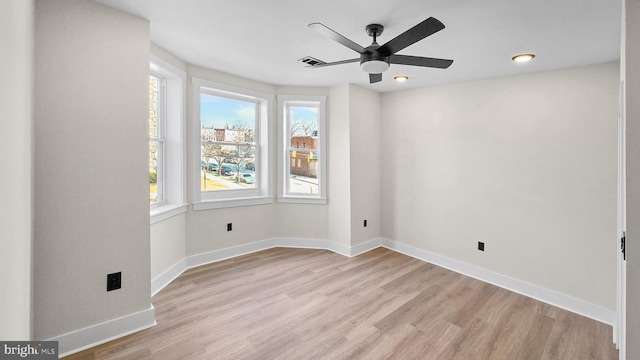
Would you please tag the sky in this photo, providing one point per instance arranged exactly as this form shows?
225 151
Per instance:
217 111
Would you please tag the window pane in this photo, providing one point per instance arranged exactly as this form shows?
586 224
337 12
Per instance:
153 172
227 120
303 172
153 106
303 154
227 136
155 144
221 164
303 122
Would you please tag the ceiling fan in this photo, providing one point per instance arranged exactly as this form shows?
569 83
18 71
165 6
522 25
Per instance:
375 59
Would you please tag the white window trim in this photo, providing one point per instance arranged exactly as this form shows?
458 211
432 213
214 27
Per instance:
283 156
262 193
174 179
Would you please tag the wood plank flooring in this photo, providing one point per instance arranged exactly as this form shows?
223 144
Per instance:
314 304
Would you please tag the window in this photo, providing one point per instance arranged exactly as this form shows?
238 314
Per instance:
156 139
230 146
166 140
302 173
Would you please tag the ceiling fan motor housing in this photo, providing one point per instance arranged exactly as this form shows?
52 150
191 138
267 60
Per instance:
374 63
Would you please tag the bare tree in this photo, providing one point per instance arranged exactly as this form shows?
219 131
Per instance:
302 127
308 127
216 152
244 155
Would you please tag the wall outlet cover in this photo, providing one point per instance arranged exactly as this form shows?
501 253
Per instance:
114 281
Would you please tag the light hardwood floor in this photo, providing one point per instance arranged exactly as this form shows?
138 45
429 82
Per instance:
314 304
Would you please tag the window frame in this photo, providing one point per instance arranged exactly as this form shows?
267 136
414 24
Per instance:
173 133
261 193
284 147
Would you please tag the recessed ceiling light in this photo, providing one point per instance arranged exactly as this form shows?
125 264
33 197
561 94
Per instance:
523 57
401 78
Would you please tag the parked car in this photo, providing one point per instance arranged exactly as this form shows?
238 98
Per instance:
247 178
250 166
209 167
227 170
231 160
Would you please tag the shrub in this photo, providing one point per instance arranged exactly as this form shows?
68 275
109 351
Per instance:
153 178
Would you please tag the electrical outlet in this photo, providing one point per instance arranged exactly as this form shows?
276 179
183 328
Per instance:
480 246
365 223
114 281
229 227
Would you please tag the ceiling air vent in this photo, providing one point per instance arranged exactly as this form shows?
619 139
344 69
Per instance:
311 61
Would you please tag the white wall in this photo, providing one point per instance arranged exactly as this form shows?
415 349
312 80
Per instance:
364 149
16 87
631 54
338 169
207 229
525 164
167 244
168 57
354 165
91 160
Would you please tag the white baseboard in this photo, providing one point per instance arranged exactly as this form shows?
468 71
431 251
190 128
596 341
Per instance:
94 335
227 253
349 251
300 243
563 301
164 279
365 246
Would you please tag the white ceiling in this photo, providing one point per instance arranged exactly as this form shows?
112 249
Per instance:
263 40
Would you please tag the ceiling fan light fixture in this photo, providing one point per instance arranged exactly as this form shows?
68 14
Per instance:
401 78
523 57
374 66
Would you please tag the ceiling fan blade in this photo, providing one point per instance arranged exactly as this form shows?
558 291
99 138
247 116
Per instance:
420 61
323 30
334 63
411 36
374 78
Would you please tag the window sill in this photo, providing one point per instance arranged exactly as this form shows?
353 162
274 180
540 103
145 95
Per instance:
302 200
227 203
165 211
